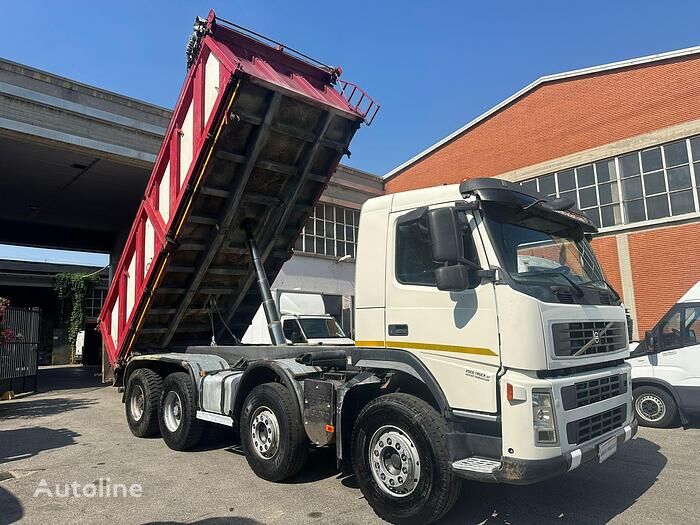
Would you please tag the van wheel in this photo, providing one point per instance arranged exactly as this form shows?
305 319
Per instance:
654 407
272 433
177 412
401 461
141 402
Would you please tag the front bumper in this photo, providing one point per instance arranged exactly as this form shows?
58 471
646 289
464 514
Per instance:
527 471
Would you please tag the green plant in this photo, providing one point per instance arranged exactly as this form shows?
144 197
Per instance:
5 333
72 289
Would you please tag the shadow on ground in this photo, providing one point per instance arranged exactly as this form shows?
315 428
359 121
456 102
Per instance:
23 443
321 465
223 520
68 378
10 508
591 494
29 408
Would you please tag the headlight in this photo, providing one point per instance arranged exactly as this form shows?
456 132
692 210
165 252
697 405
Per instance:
543 420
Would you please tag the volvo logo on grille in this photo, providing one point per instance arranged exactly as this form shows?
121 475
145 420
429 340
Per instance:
596 337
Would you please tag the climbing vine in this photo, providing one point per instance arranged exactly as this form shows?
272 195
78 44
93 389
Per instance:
72 289
5 333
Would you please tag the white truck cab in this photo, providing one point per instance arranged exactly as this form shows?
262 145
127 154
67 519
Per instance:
666 365
515 321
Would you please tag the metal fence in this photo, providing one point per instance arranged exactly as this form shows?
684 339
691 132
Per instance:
19 358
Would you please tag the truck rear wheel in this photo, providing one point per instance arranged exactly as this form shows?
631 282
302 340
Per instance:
141 402
272 433
177 412
654 407
401 461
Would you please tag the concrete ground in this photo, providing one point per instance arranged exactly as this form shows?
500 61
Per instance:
75 431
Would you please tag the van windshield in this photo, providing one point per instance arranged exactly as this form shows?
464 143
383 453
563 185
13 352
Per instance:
321 328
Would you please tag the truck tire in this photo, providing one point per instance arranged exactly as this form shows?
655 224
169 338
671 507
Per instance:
654 407
141 402
180 428
272 433
401 461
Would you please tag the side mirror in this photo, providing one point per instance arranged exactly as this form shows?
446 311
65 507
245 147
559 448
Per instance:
445 235
650 341
456 278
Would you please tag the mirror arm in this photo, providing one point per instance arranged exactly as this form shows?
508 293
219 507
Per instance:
487 274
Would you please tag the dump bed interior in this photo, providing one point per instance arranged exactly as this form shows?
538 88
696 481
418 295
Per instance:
277 132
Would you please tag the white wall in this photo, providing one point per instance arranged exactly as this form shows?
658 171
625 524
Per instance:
314 274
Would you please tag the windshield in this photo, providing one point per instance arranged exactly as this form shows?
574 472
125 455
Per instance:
532 256
321 328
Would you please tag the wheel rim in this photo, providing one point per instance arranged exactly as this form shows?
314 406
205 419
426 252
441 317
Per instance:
264 432
172 411
137 402
650 407
394 461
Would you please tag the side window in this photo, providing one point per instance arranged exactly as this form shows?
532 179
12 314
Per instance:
691 326
292 331
670 331
414 262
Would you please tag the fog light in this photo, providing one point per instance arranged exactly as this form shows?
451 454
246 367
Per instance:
543 420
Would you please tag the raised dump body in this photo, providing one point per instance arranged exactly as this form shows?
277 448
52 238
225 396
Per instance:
255 136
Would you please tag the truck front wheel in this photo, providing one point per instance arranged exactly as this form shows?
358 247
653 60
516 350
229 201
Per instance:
272 433
141 402
401 460
177 412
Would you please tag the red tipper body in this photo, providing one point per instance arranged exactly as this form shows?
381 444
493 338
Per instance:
256 134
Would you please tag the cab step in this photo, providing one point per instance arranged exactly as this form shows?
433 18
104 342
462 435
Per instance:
477 465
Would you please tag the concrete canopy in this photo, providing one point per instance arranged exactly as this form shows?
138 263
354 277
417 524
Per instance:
74 160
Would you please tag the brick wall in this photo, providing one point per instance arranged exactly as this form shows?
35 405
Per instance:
665 263
560 118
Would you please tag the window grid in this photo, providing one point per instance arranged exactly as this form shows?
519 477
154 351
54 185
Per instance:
655 183
330 230
94 301
693 177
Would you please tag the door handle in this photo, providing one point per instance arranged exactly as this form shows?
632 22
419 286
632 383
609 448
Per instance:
398 329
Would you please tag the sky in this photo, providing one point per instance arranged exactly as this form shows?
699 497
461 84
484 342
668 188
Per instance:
433 66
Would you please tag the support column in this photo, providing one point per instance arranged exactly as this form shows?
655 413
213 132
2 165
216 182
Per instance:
623 258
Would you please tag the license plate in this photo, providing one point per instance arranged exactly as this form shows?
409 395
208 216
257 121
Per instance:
607 449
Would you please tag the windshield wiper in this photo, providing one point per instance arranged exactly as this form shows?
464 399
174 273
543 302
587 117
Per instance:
604 281
579 290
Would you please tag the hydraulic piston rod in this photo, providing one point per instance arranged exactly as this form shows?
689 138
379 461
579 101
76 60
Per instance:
274 325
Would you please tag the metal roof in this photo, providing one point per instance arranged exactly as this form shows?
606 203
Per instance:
542 80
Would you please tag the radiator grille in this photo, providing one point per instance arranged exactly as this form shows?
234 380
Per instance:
588 338
592 391
588 428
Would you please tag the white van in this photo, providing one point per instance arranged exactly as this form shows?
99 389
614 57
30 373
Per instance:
666 366
304 321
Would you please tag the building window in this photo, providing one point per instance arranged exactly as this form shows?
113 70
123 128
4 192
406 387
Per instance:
93 302
331 230
654 183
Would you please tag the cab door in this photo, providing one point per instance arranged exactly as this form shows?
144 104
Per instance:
454 334
678 357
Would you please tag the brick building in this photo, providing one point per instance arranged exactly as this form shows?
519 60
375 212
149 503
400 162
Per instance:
623 140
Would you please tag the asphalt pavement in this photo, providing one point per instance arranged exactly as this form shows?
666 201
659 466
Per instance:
72 439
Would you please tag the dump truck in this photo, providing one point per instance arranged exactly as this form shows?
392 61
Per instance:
489 345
